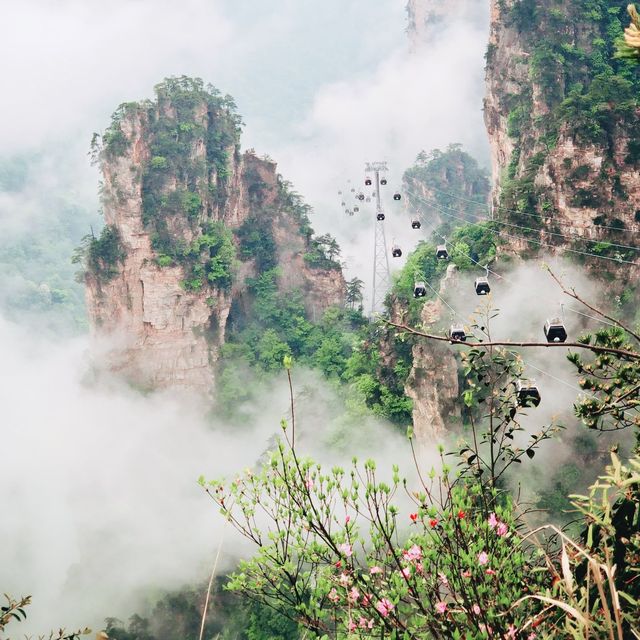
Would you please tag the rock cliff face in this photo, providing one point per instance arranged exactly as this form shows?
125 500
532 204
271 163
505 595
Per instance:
425 17
433 380
175 189
562 117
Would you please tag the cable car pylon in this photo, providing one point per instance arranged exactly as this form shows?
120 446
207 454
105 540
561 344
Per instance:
381 271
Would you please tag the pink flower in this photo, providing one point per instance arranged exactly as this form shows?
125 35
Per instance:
483 558
351 626
511 632
366 599
502 529
365 624
532 636
419 568
346 548
346 520
441 607
344 579
308 483
433 522
354 594
406 573
413 517
476 609
384 607
490 572
333 595
443 579
466 574
493 521
414 553
375 570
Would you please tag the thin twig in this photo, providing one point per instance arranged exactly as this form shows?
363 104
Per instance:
632 355
206 601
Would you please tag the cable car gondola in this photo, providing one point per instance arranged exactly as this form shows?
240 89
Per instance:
380 215
367 199
383 181
482 285
554 330
527 393
396 196
415 224
367 182
396 251
441 252
419 290
360 196
353 190
339 193
456 332
356 208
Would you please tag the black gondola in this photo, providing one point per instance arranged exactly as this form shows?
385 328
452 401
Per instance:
339 193
396 196
353 190
367 199
367 182
356 208
441 252
456 332
554 330
380 215
482 285
344 204
415 224
360 196
419 290
383 181
396 251
527 393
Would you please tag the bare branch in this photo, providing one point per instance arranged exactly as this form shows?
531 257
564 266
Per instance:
623 353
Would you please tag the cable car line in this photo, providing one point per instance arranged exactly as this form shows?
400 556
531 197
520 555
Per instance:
511 282
542 244
551 233
521 213
515 353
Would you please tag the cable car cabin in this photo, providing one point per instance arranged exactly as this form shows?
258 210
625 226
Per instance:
396 251
415 224
419 290
339 193
360 196
353 190
367 182
482 286
380 216
367 199
383 181
396 196
348 212
441 252
344 204
554 330
457 332
527 393
356 208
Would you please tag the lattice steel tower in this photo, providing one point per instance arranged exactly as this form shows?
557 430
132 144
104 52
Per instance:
381 273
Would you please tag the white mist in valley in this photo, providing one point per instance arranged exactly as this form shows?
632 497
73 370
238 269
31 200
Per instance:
101 503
